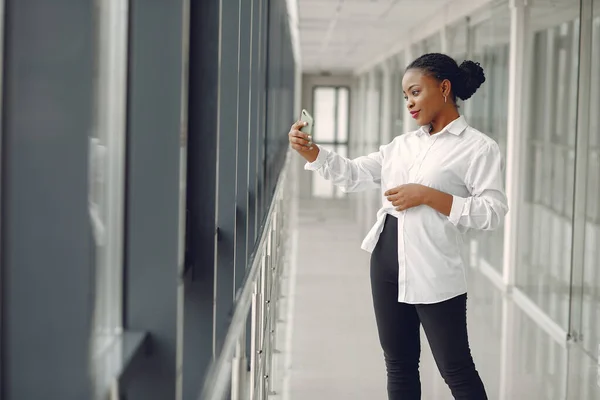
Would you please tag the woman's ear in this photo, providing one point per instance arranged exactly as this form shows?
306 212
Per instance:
446 87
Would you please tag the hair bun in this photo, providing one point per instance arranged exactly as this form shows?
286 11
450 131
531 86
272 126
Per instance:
472 77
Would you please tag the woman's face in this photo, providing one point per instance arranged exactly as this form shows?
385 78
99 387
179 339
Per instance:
424 95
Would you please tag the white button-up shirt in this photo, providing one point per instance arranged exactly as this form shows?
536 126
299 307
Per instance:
460 161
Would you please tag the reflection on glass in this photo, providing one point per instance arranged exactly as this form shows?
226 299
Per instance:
584 376
544 266
538 357
324 114
107 166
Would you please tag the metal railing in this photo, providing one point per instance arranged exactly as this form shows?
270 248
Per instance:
228 375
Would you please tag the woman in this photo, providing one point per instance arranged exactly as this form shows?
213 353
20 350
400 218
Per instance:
436 183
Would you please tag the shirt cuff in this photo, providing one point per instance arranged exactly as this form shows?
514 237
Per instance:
458 204
319 162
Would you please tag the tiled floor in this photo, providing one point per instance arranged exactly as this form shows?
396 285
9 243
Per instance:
335 352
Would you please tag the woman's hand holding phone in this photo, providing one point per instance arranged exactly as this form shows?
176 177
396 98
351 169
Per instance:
302 142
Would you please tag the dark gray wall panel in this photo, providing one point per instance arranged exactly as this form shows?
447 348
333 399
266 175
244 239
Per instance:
153 190
47 257
253 144
201 199
263 104
255 117
243 140
227 165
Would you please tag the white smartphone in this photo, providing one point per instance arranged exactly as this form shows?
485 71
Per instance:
306 117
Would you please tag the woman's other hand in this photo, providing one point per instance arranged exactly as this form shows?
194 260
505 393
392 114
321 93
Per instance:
302 142
407 196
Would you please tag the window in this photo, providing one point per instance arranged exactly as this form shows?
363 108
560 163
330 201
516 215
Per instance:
544 269
331 112
107 166
591 274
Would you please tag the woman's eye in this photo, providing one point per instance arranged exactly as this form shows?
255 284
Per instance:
405 98
415 92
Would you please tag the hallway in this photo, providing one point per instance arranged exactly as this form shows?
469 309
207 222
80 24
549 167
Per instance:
335 350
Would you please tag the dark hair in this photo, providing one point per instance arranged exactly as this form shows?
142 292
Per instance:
465 79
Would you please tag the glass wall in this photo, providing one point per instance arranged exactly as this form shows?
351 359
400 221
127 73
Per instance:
591 272
488 108
545 228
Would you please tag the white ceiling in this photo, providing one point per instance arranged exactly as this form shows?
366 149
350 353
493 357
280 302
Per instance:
343 35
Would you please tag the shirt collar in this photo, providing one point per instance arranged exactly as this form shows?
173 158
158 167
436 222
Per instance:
455 127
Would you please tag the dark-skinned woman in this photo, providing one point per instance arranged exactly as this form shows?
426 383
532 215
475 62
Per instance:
436 183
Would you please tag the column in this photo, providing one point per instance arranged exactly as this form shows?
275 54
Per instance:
386 114
364 113
359 131
370 141
470 47
519 11
203 128
48 263
157 146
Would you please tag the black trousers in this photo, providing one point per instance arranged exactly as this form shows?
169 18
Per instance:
398 324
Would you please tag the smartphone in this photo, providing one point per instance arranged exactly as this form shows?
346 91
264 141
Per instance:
306 117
